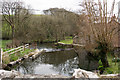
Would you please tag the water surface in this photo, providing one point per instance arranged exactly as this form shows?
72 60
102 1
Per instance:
57 62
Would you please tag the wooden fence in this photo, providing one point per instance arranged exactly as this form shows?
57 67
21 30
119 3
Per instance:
15 50
12 51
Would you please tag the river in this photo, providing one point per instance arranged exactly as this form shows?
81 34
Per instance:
57 61
53 61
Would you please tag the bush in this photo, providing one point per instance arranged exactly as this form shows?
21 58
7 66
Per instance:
108 71
116 60
101 68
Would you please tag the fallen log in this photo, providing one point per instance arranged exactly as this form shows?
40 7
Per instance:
15 62
23 58
69 45
37 54
66 45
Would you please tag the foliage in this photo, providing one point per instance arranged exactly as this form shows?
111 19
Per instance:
113 67
40 27
15 17
96 32
116 60
101 68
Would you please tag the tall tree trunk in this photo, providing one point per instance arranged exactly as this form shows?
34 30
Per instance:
12 36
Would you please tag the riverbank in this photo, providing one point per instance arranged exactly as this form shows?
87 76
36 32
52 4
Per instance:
34 54
73 46
113 66
12 56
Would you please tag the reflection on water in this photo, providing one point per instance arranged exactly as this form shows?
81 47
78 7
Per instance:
57 62
86 60
49 47
62 62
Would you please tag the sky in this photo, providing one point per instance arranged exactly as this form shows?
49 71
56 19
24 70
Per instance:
71 5
46 4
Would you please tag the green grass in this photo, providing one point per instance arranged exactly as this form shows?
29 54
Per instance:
113 67
5 42
20 54
8 58
13 57
68 40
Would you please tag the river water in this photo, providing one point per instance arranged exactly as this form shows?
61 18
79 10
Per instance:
53 61
57 61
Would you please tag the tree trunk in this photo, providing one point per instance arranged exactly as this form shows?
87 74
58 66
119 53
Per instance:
12 36
104 60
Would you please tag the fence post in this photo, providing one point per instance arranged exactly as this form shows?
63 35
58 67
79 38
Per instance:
1 52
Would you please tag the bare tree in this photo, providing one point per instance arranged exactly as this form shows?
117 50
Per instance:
15 15
70 19
98 32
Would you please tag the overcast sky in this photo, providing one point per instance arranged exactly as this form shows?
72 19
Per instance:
72 5
46 4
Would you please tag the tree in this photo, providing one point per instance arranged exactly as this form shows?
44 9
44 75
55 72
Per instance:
97 33
15 15
22 27
70 19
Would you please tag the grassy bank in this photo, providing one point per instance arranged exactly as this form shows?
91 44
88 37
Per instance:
113 66
68 40
13 57
5 42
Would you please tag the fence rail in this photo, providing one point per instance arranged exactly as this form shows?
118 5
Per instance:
12 51
20 48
